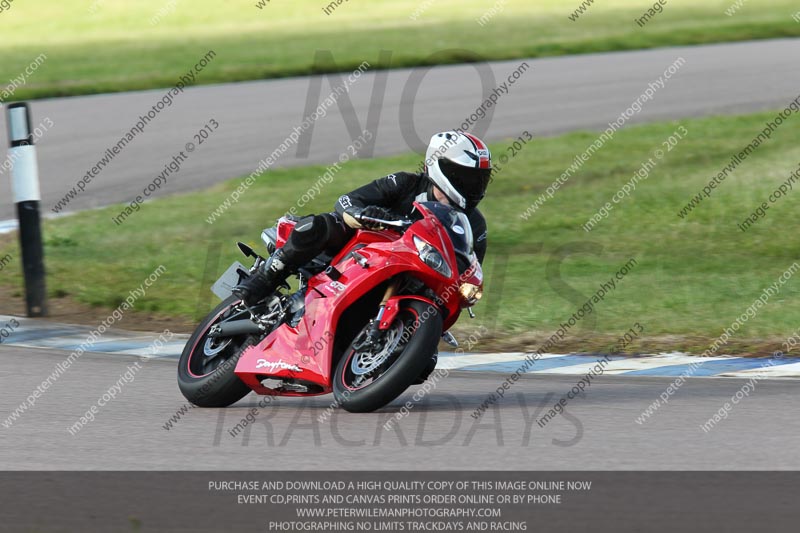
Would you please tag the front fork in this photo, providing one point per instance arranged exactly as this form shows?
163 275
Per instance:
378 323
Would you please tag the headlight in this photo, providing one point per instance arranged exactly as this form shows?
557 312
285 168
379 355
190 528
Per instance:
471 293
431 257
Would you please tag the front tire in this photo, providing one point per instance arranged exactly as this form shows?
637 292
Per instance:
206 368
364 382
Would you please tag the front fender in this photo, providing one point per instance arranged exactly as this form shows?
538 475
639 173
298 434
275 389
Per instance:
393 307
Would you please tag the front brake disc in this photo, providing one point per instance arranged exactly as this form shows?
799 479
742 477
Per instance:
366 362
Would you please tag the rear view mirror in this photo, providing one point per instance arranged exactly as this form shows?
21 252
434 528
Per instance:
246 250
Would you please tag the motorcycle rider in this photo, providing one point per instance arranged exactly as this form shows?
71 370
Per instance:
457 171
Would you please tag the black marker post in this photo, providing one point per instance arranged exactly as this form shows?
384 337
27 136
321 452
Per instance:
25 191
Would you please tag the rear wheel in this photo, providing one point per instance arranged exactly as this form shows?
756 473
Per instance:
370 375
206 368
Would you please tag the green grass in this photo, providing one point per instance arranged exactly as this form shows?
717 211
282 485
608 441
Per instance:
694 277
116 48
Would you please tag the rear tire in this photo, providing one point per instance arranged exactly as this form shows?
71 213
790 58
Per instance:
204 384
423 324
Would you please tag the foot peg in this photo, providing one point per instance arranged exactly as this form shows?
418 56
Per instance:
449 339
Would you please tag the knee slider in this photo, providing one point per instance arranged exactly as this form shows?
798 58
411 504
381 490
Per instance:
309 230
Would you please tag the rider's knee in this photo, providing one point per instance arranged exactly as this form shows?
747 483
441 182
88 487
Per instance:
309 230
337 233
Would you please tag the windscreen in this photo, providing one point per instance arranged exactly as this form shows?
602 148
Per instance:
458 228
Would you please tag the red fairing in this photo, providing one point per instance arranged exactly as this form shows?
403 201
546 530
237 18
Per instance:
305 353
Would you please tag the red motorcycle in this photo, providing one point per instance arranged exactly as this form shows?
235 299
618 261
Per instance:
364 324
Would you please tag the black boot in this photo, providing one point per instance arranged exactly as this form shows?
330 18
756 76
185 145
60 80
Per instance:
264 280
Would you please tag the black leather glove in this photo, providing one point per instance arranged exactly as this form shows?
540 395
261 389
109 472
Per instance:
371 211
375 211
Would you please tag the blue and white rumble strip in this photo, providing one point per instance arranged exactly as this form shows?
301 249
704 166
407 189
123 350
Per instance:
39 334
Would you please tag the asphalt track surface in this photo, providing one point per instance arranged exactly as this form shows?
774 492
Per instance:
438 434
555 95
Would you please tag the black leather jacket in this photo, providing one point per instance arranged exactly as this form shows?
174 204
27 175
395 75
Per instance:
398 192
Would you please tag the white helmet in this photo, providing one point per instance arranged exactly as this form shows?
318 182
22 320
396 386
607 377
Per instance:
460 165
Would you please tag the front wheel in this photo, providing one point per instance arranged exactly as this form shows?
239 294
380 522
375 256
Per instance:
206 368
370 375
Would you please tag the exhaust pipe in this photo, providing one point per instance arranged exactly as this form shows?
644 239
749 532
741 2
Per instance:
234 328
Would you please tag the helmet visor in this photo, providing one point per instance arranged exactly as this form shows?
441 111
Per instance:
470 182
